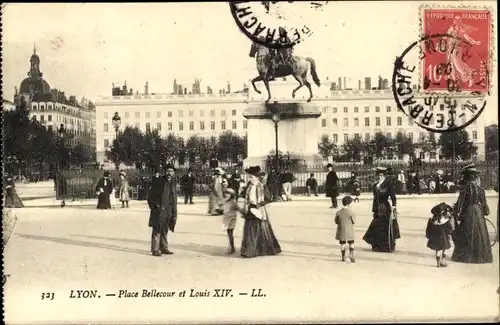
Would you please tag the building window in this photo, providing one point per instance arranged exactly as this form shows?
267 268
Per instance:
325 109
105 126
367 121
106 116
377 109
223 125
181 125
245 124
158 114
357 136
169 126
410 135
334 110
334 121
367 109
388 109
346 137
138 125
389 135
191 126
158 126
127 114
388 121
421 136
233 125
400 121
169 113
474 135
223 112
346 122
137 114
202 113
212 112
346 109
212 125
191 113
148 114
148 127
49 118
181 113
106 143
356 121
410 121
367 136
323 123
233 112
202 125
356 109
377 121
335 138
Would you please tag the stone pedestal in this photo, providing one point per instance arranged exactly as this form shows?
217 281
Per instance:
298 127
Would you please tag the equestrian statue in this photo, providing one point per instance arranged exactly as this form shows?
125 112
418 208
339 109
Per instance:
276 63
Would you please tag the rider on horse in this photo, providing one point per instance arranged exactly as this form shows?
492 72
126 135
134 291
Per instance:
281 58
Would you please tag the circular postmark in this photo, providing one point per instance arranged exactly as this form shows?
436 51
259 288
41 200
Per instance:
454 107
276 24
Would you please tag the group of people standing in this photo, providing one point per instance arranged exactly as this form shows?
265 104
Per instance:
463 223
258 236
106 193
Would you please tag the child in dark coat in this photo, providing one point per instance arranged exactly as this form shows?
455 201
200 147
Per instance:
345 219
438 232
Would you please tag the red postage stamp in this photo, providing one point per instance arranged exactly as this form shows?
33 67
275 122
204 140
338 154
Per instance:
460 61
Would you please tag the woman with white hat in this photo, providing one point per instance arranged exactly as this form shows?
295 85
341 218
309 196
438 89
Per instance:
258 235
471 238
123 191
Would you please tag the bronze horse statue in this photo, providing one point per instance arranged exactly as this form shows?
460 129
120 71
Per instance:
298 69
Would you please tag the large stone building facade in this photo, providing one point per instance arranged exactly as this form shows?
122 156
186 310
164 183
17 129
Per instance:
346 113
52 108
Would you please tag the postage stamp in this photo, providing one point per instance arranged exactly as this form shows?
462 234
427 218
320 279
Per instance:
463 58
275 24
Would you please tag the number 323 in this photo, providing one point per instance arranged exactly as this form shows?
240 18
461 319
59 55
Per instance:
47 296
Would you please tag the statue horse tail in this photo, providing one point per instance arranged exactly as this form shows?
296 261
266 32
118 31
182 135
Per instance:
314 74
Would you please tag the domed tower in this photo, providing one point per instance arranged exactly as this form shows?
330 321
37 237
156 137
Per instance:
34 84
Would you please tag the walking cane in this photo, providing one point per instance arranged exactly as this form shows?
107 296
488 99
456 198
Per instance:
393 215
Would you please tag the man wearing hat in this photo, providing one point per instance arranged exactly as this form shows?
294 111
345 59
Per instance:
162 201
104 188
331 185
187 183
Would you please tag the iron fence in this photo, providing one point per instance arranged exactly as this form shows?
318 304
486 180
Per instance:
80 183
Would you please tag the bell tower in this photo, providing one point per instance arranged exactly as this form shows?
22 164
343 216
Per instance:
34 65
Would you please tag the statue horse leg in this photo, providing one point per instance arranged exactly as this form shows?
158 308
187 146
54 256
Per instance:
254 80
301 84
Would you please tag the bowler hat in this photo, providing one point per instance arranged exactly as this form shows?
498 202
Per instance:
106 174
329 165
381 170
253 170
469 169
440 208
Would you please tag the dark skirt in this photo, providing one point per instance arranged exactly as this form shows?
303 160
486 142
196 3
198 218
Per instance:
259 239
471 238
12 200
103 201
439 239
377 234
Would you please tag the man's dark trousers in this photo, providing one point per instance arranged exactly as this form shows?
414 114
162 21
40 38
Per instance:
159 241
188 195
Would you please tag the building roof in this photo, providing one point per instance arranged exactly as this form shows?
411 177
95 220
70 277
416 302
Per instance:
34 85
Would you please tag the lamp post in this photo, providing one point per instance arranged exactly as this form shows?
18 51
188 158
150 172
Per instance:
60 184
116 121
276 119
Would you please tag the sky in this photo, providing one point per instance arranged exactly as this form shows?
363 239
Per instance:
84 48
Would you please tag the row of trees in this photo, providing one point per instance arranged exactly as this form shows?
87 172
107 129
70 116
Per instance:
30 146
453 145
132 147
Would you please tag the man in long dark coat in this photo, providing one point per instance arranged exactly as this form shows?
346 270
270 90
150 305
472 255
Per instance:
162 201
187 183
104 188
331 185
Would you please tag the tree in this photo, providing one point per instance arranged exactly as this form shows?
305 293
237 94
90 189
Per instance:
352 150
379 145
193 148
128 147
491 135
326 148
404 144
457 144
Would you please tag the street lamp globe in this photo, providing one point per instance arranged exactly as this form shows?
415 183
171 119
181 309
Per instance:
61 130
275 117
117 121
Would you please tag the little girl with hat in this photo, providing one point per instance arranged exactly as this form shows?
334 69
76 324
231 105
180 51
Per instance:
438 232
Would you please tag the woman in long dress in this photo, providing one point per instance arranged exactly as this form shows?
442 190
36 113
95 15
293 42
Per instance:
12 199
123 191
384 229
216 196
103 188
471 238
258 235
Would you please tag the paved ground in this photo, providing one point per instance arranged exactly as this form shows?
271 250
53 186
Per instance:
57 250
